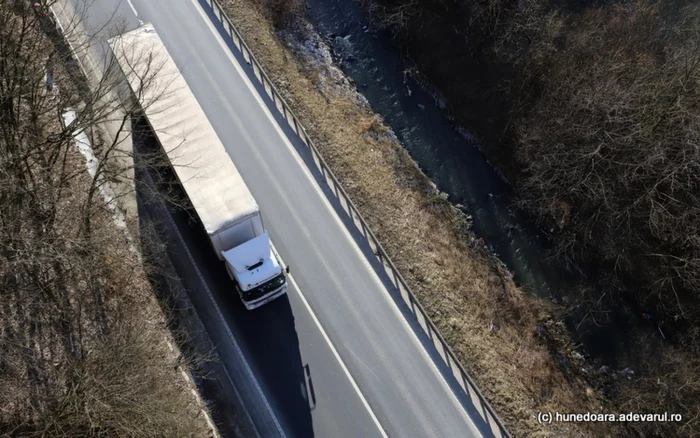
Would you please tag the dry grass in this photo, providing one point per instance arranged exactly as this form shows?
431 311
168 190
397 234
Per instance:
84 345
591 109
119 350
463 289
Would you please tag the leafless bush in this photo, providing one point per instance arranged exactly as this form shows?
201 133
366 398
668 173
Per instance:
605 119
390 14
605 122
79 352
667 383
611 142
114 382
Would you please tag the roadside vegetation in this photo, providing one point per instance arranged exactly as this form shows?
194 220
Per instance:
512 343
84 345
592 111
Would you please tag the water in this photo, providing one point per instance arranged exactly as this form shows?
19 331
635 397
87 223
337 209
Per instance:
454 162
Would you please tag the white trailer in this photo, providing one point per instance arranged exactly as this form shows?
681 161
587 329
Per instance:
225 206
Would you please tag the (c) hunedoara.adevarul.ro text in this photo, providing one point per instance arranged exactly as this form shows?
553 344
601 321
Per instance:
558 417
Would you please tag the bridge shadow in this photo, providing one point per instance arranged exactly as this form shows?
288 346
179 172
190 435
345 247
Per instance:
263 356
460 384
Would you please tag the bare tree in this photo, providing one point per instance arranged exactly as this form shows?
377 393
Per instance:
611 144
607 125
80 355
601 139
390 14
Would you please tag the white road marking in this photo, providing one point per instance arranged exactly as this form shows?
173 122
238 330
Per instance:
131 5
344 229
201 278
86 150
306 303
330 344
303 298
248 370
133 9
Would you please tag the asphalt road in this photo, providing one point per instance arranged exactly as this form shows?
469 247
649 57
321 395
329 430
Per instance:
337 357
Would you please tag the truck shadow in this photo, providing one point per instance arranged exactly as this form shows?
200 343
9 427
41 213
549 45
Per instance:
258 366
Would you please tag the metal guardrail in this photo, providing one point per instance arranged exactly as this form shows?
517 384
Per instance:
467 384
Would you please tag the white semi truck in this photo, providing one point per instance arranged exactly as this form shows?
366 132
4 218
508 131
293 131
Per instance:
225 206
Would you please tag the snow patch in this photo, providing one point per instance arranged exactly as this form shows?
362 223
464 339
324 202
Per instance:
109 195
317 55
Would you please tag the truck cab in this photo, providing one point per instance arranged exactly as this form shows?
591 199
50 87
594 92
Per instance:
256 271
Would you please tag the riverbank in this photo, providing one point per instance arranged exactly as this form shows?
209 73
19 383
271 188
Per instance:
609 156
513 344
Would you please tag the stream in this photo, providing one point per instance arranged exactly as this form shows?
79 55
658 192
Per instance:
451 158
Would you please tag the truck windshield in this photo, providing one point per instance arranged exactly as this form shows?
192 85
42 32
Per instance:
264 289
